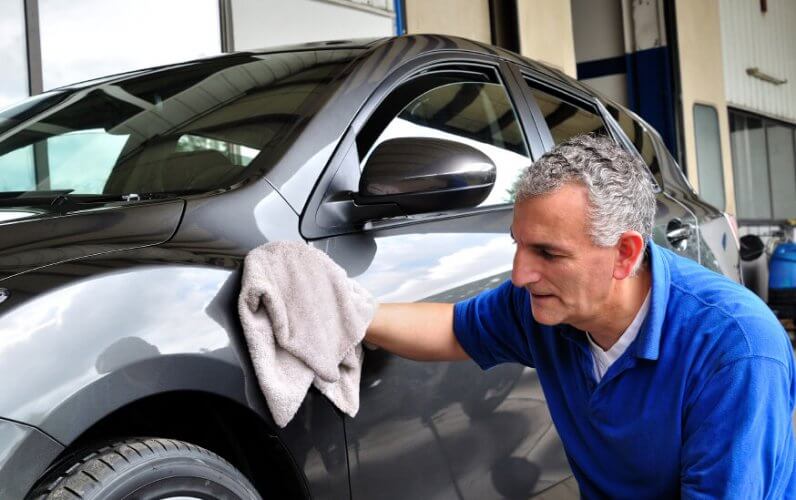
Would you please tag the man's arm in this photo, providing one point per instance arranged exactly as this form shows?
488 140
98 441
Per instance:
419 331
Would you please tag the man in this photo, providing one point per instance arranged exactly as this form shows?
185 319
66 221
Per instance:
663 378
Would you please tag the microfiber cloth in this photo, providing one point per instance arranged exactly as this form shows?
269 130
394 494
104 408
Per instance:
304 321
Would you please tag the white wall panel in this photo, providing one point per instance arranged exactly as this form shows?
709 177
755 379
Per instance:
464 18
546 33
767 41
702 82
592 43
268 23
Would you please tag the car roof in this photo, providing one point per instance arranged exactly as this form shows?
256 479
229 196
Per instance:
422 43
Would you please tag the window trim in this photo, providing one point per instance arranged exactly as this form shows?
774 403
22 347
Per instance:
570 96
338 176
437 71
492 75
590 103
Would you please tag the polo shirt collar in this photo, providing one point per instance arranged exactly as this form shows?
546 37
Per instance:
648 342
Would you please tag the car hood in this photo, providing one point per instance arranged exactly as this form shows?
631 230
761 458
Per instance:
43 238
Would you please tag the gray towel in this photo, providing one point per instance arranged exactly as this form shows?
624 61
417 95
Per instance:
304 321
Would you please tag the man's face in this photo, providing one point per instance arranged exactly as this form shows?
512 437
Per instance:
569 277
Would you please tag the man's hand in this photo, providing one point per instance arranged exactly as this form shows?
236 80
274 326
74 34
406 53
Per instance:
419 331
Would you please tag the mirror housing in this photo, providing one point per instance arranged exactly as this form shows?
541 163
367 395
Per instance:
752 247
419 174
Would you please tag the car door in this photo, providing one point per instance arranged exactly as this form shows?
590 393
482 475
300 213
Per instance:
440 430
565 112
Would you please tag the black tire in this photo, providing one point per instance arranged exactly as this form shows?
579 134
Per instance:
145 469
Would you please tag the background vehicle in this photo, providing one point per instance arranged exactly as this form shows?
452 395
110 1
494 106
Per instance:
129 203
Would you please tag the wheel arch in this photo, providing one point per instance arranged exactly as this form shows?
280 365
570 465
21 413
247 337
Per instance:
217 423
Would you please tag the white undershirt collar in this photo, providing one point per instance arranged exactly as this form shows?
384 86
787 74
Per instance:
604 359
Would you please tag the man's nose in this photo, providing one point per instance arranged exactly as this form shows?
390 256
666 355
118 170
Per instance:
525 270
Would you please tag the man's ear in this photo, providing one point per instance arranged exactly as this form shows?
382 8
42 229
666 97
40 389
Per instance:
629 250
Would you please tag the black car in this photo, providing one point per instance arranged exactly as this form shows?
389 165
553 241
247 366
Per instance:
128 203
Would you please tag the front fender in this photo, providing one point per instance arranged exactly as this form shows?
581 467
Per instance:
76 353
24 453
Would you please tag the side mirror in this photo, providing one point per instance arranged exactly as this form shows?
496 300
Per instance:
751 247
417 174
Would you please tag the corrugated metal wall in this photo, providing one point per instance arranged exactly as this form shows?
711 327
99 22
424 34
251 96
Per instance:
767 41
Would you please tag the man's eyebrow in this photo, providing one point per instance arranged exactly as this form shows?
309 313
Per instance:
549 247
543 245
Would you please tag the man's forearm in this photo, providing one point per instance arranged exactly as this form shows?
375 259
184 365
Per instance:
419 331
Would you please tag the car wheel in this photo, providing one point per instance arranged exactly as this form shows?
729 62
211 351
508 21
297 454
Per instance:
145 469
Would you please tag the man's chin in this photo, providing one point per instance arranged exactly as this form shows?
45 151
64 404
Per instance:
545 318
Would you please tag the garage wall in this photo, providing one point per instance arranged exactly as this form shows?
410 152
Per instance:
268 23
753 39
603 47
546 33
702 82
465 18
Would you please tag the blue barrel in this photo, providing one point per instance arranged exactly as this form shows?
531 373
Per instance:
782 267
782 281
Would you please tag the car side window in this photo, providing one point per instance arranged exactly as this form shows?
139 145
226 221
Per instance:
641 139
468 107
566 119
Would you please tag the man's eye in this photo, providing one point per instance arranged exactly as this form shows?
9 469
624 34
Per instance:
547 255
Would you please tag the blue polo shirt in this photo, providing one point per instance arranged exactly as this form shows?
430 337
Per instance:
698 406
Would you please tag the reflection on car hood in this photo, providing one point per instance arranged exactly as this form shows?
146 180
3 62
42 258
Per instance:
16 213
31 240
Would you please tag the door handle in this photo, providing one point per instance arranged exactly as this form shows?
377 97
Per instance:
678 233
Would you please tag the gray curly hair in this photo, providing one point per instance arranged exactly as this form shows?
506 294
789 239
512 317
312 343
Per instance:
621 193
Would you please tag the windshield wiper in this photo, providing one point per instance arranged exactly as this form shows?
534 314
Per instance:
162 195
57 199
31 198
33 194
62 200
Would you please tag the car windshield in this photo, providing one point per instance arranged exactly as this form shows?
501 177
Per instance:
187 128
